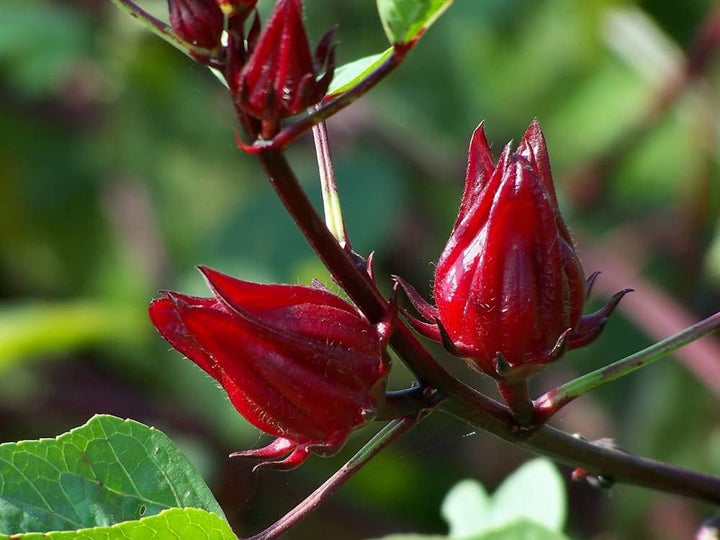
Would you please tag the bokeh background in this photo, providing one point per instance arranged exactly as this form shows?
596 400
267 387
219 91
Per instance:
118 174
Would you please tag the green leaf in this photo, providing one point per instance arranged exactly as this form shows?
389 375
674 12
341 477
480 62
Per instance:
172 524
105 472
353 73
467 508
535 491
528 505
407 20
521 529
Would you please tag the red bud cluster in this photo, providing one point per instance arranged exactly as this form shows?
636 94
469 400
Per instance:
271 74
201 22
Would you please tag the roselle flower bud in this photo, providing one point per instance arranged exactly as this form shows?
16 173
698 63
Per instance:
281 77
509 287
199 22
297 362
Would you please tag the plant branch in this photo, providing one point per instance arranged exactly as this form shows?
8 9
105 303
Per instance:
384 437
595 458
357 284
331 200
651 309
552 401
462 401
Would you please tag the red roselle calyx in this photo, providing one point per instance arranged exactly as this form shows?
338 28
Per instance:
202 22
509 287
297 362
281 77
199 22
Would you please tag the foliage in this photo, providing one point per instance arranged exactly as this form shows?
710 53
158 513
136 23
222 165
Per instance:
106 472
119 175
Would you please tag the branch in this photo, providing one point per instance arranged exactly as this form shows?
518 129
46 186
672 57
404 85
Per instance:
462 401
551 402
387 435
331 200
357 284
596 459
649 308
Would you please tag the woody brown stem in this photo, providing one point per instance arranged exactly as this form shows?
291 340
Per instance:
357 284
596 459
386 436
517 397
462 401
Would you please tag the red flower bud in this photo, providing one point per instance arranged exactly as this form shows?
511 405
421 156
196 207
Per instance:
509 287
199 22
281 78
297 362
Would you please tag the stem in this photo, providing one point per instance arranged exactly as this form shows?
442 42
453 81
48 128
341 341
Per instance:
408 402
462 401
552 401
331 200
517 397
383 438
358 285
596 459
333 106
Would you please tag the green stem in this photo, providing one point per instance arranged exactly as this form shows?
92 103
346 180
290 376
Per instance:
552 401
384 437
331 200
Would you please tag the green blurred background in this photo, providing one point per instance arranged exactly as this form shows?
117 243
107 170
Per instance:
118 174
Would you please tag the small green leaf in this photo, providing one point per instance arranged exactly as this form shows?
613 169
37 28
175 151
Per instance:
535 491
466 508
172 524
353 73
407 20
521 529
105 472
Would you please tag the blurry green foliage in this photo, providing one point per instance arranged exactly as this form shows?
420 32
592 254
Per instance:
119 175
